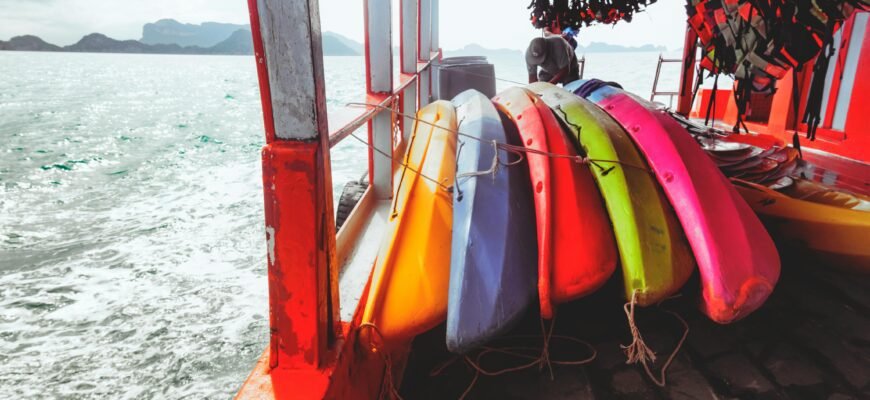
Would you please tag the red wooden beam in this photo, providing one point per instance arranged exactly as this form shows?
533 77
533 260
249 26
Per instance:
297 188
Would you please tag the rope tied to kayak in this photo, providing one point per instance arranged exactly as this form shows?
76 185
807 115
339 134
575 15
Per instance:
639 352
577 129
537 356
579 159
492 171
388 381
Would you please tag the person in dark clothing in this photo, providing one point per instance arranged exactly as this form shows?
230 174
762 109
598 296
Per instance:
551 59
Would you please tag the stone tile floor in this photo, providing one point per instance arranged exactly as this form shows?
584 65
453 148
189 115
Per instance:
811 340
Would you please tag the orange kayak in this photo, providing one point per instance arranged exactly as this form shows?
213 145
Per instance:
576 248
408 291
833 224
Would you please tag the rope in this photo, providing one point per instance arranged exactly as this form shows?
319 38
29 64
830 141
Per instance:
504 146
638 351
577 130
540 358
492 170
404 165
388 364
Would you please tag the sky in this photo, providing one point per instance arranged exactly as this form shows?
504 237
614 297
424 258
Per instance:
490 23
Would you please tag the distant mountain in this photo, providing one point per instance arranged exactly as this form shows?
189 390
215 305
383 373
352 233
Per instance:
475 49
216 35
28 43
170 31
239 43
333 38
169 37
99 43
597 47
333 46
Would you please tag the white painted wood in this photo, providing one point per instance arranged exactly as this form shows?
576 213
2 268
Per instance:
423 88
409 109
829 77
361 256
379 66
380 45
425 32
291 38
844 97
433 39
382 163
408 32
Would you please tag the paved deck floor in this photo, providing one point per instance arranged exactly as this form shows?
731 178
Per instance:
811 340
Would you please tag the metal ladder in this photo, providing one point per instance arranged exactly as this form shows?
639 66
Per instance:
582 62
655 87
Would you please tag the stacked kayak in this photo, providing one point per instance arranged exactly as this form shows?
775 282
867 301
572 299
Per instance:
655 257
494 248
408 290
576 249
737 260
533 197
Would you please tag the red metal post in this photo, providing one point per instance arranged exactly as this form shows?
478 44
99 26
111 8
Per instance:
687 74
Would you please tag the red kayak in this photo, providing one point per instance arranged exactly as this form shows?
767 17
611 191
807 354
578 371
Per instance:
576 248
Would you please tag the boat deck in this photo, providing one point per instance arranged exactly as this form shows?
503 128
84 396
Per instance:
810 340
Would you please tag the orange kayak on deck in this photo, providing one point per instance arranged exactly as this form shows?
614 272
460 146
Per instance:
576 247
408 292
833 224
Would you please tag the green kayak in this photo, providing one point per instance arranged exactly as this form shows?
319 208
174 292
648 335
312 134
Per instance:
656 258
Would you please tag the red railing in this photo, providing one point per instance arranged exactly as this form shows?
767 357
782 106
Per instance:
311 352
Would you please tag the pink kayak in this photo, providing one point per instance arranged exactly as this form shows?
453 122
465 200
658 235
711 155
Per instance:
737 259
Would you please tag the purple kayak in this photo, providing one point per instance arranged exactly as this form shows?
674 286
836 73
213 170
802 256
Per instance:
493 259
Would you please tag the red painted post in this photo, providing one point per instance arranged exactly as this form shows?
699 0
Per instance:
297 188
687 74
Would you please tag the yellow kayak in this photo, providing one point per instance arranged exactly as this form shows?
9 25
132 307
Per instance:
831 223
408 291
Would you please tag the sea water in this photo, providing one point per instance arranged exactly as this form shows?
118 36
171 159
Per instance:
132 246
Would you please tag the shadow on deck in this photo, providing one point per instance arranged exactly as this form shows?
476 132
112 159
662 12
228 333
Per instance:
811 340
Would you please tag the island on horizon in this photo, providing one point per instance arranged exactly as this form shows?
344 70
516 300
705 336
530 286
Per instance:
168 36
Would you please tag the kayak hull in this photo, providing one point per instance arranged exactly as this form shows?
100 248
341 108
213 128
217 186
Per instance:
737 260
827 222
576 248
655 257
409 283
493 255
